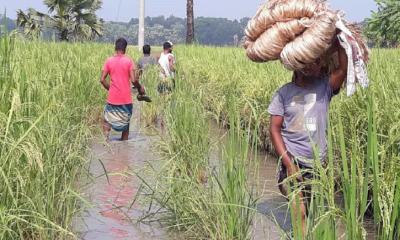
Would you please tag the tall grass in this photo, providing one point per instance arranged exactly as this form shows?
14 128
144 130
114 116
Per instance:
152 114
203 201
50 97
238 200
186 149
364 140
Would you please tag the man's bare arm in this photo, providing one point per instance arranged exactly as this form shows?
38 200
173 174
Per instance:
280 148
139 73
103 80
171 63
135 81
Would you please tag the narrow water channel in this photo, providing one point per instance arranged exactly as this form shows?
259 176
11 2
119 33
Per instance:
113 212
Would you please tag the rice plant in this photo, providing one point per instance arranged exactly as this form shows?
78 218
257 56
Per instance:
203 201
50 105
51 102
365 140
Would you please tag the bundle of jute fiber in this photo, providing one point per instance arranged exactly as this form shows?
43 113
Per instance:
298 32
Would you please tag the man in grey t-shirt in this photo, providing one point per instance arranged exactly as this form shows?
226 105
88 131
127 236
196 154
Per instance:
299 119
304 111
146 60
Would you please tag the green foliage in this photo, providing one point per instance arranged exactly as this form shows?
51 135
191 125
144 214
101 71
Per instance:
384 25
6 24
72 19
210 31
215 30
31 22
48 100
364 140
203 202
44 131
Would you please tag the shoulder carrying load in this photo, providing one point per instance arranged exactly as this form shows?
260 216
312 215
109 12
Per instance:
298 32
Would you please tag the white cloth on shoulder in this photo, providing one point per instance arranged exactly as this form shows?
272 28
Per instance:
357 68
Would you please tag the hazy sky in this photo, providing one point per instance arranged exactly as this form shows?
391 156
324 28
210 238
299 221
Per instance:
123 10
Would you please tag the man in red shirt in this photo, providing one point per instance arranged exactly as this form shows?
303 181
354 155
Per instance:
118 110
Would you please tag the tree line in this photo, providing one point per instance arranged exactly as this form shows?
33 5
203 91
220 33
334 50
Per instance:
76 20
207 30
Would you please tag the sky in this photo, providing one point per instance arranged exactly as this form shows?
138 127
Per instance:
124 10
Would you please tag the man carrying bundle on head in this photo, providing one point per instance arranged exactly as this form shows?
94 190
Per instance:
303 34
118 110
299 120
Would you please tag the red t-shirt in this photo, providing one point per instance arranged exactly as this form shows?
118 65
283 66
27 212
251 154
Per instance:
119 67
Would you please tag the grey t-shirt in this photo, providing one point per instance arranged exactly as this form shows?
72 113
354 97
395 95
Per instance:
145 61
305 112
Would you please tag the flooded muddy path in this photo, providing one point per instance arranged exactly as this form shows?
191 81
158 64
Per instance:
111 212
111 209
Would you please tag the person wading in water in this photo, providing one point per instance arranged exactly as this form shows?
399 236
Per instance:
299 121
118 110
146 61
167 69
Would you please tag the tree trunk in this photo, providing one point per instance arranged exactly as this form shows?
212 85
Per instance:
190 22
63 35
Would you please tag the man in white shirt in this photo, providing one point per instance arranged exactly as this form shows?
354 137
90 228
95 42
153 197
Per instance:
167 69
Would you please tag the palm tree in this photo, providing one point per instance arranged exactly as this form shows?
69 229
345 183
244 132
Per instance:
85 22
190 22
31 22
72 19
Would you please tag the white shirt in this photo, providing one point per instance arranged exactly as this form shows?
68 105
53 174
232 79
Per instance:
164 63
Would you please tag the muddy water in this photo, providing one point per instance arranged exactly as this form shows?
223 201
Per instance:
112 212
273 206
273 217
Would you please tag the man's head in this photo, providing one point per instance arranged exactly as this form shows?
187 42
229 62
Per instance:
312 70
120 45
146 49
168 47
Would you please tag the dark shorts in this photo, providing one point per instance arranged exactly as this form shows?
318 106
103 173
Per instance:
306 172
164 88
302 182
166 85
304 179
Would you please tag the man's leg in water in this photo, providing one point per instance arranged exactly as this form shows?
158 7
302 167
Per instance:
125 135
300 212
298 204
106 129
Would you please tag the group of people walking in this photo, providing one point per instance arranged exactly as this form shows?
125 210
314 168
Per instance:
298 111
124 74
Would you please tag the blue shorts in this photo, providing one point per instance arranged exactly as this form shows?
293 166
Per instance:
118 116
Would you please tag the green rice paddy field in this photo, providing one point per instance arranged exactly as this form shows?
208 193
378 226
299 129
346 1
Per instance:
51 102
